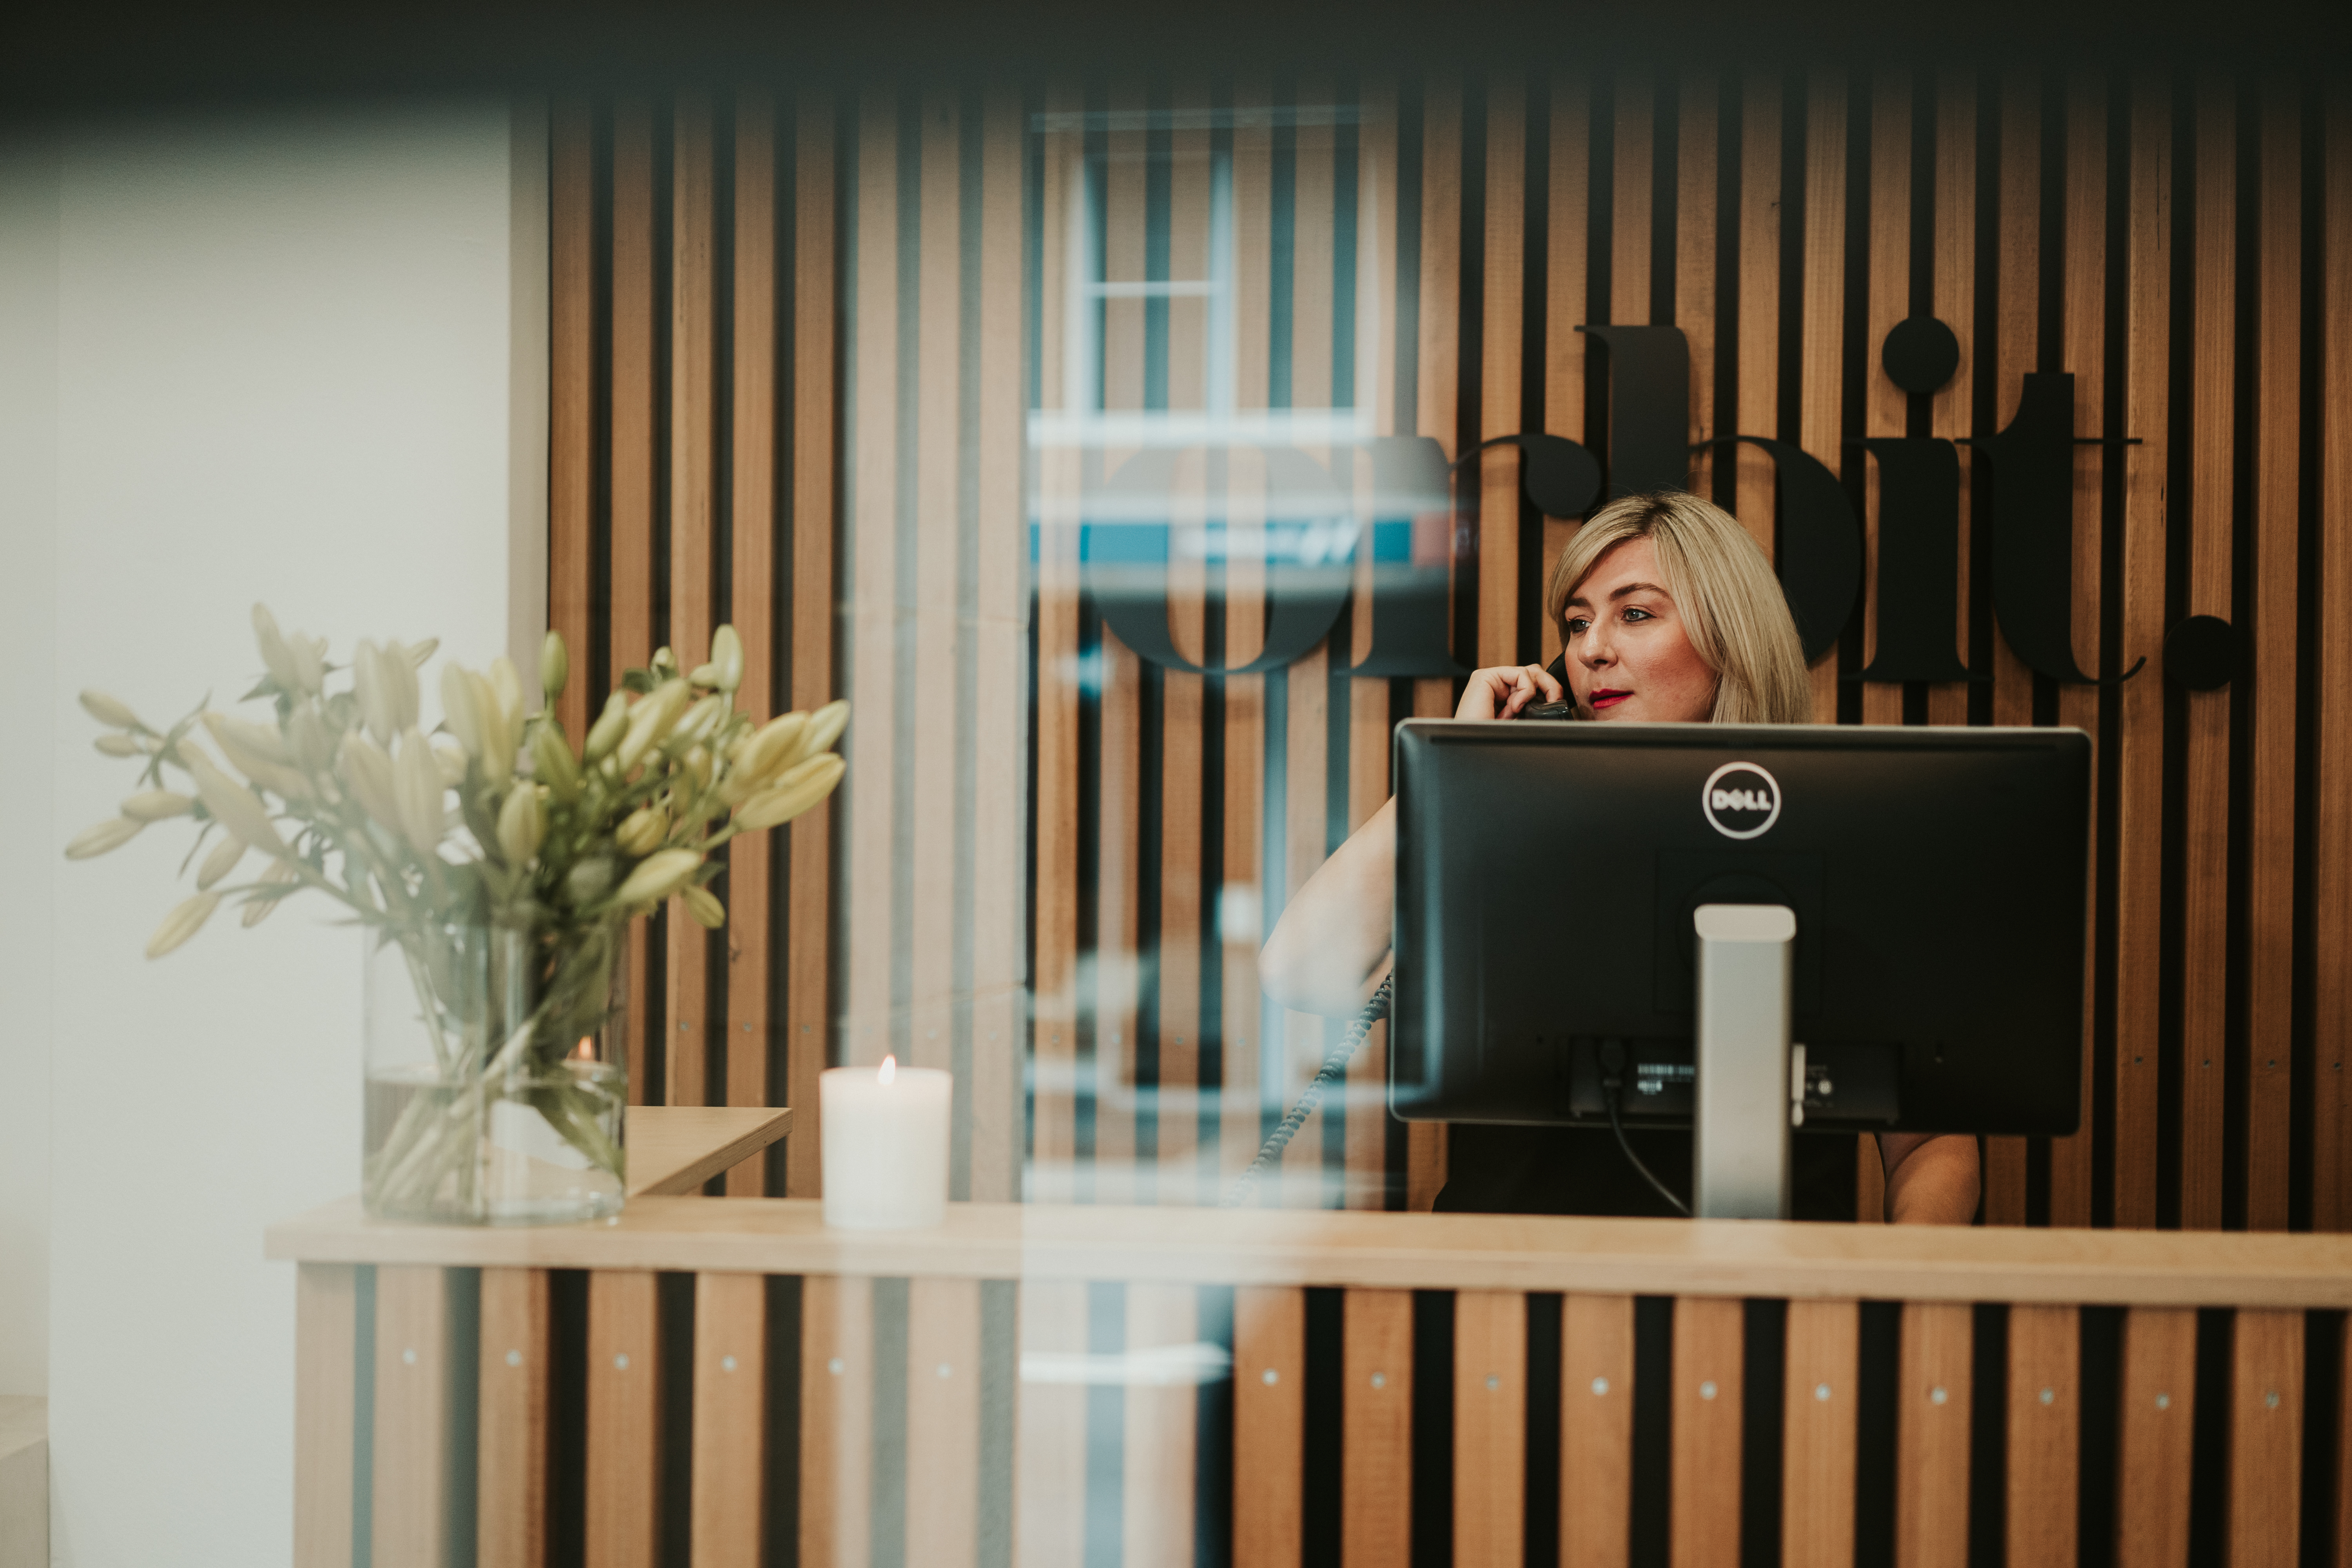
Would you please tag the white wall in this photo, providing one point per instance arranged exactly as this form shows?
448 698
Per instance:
298 357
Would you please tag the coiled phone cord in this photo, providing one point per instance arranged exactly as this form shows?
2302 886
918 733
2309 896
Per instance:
1244 1185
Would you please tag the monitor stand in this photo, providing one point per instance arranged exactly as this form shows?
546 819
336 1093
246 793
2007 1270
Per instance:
1742 1113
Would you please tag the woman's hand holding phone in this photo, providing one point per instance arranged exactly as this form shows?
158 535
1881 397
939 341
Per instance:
1502 691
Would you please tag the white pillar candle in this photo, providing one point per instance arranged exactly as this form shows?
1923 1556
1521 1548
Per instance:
886 1146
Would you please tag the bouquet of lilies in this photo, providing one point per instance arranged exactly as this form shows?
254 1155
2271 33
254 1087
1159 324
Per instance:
496 819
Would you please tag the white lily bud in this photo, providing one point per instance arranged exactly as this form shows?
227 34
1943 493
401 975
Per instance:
824 727
120 746
260 753
763 755
460 708
258 906
610 726
232 806
417 653
704 906
416 790
658 875
276 655
800 787
310 738
554 665
507 682
727 653
97 840
551 758
183 924
221 861
110 710
642 831
522 825
365 769
309 662
700 720
450 758
649 720
157 805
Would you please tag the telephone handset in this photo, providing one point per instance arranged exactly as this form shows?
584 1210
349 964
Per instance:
1558 670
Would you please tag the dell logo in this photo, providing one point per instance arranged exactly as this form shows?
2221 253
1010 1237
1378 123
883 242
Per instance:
1740 800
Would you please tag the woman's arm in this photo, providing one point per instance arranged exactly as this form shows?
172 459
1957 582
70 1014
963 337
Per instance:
1931 1177
1326 951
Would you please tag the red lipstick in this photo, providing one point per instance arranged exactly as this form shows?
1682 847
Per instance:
1607 697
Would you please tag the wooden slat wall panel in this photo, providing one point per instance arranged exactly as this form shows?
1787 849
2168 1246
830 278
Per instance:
510 1529
1161 1437
1931 1443
2205 862
911 375
731 1420
410 1482
1490 1420
1709 1379
1596 1436
837 1421
943 1379
2045 1427
2139 802
1376 1430
2331 1197
2265 1439
2155 1428
2270 896
1820 1406
625 1374
1269 1426
751 610
326 1351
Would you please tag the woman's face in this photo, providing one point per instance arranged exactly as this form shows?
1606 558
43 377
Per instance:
1628 655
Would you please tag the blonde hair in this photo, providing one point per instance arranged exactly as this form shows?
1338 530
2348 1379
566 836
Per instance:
1731 606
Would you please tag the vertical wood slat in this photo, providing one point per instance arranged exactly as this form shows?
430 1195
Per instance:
571 411
1307 761
2265 1439
1758 361
1952 293
1490 1403
1001 830
2139 805
2276 519
808 1009
693 453
2154 1432
1250 1051
2205 802
871 1022
510 1511
1931 1444
1269 1424
2331 1118
1500 413
730 1419
1634 140
750 935
1567 287
1709 1376
1820 1407
2044 1421
631 626
836 1436
1438 356
1697 97
326 1368
1596 1436
943 1434
1888 290
625 1375
1049 1436
1053 1018
1376 1430
937 909
1157 1491
412 1417
1820 418
2015 334
2083 350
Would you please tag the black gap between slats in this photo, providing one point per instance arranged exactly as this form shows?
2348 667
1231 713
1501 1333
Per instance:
1653 1434
2237 1056
1879 1343
1762 1422
1433 1429
1989 1435
567 1417
1541 1543
1213 1425
2101 1383
780 1481
674 1331
2173 1068
2209 1463
721 589
2323 1374
1321 1473
2114 462
460 1457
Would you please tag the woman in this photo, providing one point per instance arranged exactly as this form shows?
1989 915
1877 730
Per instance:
1667 613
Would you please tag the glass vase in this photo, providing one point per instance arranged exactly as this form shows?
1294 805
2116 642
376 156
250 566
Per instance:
497 1075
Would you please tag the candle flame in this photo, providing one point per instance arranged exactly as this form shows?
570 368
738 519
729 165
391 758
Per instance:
585 1050
889 1069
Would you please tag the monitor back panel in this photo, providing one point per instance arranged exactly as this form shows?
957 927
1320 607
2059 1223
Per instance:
1547 876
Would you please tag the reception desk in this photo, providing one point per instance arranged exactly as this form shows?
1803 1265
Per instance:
730 1383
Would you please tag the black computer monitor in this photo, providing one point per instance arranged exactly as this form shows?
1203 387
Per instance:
1547 874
